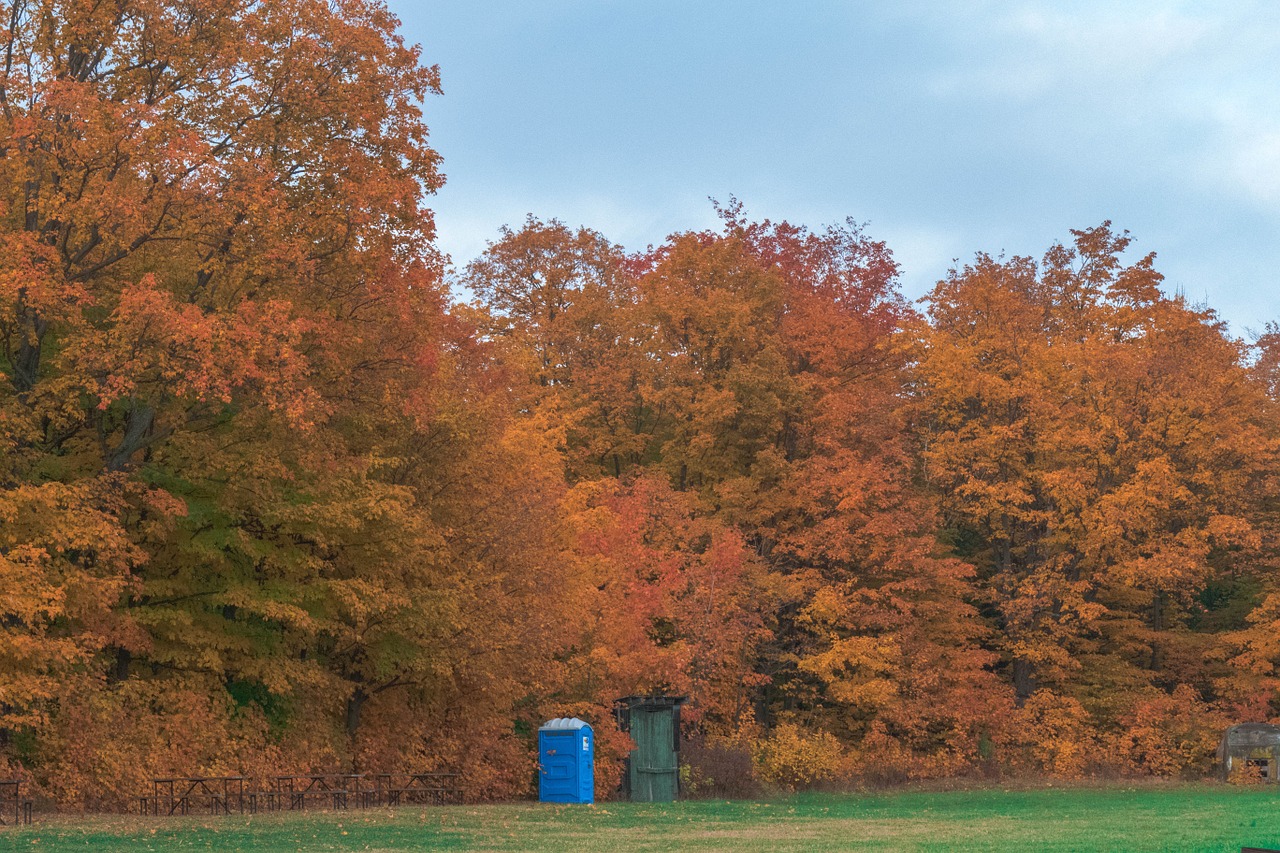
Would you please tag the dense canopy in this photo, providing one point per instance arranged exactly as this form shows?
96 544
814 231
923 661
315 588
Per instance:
272 498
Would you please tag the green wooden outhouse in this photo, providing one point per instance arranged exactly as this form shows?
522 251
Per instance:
653 768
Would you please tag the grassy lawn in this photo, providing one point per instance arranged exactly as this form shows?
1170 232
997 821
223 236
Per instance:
1205 817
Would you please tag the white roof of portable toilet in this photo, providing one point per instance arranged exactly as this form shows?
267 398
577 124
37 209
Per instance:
561 723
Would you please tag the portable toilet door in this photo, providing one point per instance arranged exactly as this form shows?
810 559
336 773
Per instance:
566 762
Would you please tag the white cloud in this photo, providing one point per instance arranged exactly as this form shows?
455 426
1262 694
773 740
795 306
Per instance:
1029 51
951 126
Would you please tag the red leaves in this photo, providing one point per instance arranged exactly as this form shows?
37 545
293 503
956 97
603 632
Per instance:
678 598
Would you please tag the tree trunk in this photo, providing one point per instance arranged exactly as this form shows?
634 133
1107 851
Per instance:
1024 679
119 671
26 363
1157 625
354 705
137 428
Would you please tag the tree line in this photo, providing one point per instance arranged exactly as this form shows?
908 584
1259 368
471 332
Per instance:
279 492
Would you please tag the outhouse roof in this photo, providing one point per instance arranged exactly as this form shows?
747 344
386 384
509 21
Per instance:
651 702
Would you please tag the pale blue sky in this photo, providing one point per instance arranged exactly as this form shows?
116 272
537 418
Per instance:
948 127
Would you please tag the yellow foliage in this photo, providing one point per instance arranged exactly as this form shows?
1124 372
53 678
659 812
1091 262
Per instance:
793 757
1056 734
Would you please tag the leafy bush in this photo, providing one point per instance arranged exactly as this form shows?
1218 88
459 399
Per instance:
793 758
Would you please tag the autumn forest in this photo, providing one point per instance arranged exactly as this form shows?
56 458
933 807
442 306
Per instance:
281 487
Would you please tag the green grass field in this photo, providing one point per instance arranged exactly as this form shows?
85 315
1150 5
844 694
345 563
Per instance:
1199 817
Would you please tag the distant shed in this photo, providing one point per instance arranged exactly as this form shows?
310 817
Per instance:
1250 751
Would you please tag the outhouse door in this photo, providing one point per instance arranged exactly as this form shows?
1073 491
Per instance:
654 773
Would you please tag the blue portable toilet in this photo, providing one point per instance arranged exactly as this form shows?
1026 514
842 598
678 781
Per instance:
566 762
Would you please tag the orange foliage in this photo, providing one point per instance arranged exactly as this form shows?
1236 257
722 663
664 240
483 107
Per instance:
267 502
1169 734
677 603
